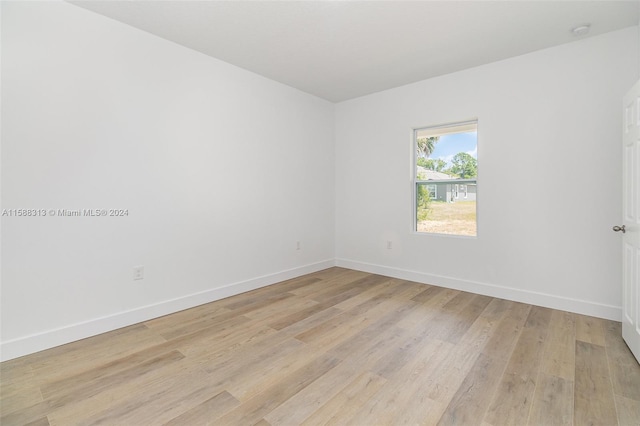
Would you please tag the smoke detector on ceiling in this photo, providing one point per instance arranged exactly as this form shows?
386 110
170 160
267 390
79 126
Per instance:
582 30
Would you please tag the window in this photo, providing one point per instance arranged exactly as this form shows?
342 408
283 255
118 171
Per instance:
433 191
446 178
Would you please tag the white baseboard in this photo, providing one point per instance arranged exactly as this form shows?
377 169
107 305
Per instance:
524 296
59 336
48 339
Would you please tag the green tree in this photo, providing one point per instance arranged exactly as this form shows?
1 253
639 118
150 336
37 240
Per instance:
464 165
423 199
426 145
435 164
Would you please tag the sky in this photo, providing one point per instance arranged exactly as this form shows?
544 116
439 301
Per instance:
450 145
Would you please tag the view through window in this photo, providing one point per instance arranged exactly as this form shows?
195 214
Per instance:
446 178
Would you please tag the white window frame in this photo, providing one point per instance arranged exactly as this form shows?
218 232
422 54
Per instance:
442 129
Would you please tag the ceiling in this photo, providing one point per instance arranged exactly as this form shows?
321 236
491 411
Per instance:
339 50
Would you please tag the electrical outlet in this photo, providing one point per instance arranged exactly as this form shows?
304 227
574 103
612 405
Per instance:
298 247
138 273
389 245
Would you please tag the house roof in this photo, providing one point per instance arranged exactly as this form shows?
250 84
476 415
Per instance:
426 174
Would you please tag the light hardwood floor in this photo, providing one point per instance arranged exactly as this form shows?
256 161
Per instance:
336 347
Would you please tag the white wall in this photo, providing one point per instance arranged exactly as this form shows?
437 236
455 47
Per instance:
222 171
549 157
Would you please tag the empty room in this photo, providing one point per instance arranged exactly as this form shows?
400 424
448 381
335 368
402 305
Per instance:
320 212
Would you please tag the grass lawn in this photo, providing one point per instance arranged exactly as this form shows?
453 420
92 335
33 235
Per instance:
450 218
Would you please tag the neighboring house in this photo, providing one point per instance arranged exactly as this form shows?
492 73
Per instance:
444 187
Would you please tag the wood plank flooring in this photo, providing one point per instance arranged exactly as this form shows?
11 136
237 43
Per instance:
336 347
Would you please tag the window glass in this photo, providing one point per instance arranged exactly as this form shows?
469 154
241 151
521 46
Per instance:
446 179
